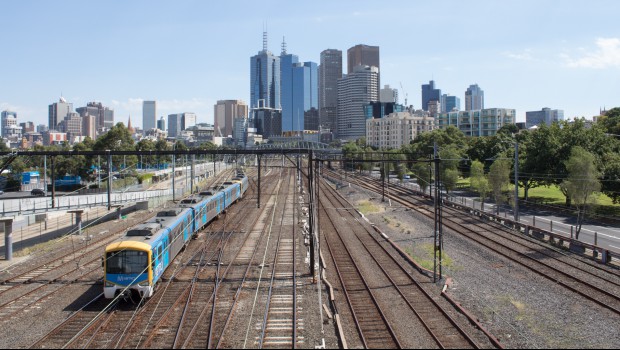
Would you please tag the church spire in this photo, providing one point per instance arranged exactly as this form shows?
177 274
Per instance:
129 127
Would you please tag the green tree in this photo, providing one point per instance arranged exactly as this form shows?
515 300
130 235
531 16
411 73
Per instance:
611 121
611 176
582 182
423 174
117 139
499 179
478 181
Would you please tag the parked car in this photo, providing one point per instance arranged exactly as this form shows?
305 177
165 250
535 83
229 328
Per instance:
37 192
1 193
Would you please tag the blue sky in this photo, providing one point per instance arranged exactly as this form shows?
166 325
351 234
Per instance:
189 54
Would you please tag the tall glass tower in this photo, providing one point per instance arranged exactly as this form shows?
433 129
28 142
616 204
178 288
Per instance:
474 98
265 78
429 93
330 71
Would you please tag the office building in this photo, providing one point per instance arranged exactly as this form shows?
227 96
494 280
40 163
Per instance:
41 128
450 103
9 119
149 115
52 137
58 111
430 93
397 129
89 126
225 112
177 123
330 70
161 124
240 132
267 121
355 91
381 109
265 78
474 98
546 115
72 126
104 116
388 95
27 127
364 55
485 122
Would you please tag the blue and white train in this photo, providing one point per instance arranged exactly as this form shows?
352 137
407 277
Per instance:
136 262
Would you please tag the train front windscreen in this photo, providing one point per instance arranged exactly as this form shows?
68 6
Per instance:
127 262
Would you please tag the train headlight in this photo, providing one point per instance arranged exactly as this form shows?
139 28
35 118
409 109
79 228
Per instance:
109 284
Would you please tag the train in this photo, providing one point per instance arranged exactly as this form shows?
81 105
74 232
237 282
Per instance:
134 264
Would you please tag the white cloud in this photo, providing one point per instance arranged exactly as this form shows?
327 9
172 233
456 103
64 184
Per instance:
525 55
607 55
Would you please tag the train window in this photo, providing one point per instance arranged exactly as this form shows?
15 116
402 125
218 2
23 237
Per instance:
127 262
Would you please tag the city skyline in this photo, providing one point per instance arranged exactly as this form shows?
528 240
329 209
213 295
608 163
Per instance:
554 63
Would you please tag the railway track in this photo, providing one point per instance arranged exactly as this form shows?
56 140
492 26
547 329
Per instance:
441 327
536 259
112 324
443 330
280 321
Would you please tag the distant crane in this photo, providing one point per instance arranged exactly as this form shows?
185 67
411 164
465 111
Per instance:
406 94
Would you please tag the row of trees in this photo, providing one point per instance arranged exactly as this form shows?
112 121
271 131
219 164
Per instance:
580 159
117 139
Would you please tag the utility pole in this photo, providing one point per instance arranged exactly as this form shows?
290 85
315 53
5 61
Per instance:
516 181
109 181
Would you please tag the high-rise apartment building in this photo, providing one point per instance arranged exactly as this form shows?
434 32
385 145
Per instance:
355 91
364 55
449 103
149 115
225 112
474 98
330 70
430 93
475 123
58 111
9 120
546 115
265 78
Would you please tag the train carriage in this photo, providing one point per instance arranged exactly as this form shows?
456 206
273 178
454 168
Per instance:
136 262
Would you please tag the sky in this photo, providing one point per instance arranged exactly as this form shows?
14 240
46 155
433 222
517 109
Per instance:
188 54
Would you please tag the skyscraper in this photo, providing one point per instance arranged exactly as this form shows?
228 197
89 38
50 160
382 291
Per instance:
388 95
364 55
474 98
149 115
9 119
265 78
429 93
179 122
161 124
58 111
225 112
287 62
104 116
330 70
299 88
355 91
448 103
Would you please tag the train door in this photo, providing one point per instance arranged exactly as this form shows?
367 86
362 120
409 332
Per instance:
204 214
185 227
158 260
